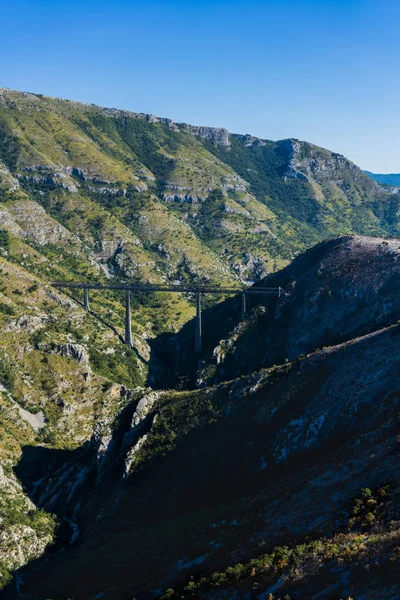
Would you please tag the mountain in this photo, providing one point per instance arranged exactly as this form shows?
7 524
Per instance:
160 200
391 179
282 481
108 454
318 310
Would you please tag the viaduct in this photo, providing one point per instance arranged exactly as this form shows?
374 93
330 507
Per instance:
178 289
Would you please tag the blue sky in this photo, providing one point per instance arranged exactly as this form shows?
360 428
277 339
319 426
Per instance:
321 70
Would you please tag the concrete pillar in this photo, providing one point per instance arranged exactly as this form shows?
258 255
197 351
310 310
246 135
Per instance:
197 343
86 299
243 315
128 328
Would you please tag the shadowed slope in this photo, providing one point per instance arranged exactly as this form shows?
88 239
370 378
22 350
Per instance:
243 473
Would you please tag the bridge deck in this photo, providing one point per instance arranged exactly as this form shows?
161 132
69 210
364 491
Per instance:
203 289
177 289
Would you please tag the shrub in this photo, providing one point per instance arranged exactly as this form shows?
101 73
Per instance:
7 375
368 507
33 288
4 239
6 309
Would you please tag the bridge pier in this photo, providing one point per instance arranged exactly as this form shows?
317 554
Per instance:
86 299
197 341
177 289
128 327
243 315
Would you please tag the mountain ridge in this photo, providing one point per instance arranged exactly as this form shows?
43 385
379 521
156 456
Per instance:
218 134
390 179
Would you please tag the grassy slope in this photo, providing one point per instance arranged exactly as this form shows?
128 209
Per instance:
39 375
233 212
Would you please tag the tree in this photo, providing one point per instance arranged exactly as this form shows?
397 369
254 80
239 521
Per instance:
4 239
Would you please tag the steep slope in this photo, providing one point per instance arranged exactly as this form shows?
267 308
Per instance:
221 475
166 200
104 193
295 445
335 291
55 361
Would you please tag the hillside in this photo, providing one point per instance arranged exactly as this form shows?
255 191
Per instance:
304 492
97 468
329 300
156 199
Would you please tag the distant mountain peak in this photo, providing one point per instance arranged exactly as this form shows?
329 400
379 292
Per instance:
391 179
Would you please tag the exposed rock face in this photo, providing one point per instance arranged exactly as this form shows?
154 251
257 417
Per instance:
94 188
141 422
9 222
36 225
303 440
306 162
37 421
80 184
133 453
144 407
7 181
218 135
20 541
45 175
75 351
29 324
249 140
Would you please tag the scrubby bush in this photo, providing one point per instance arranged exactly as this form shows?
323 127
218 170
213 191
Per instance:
368 507
7 374
4 239
6 309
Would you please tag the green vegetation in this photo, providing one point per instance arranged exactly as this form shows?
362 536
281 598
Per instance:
6 309
177 199
120 366
18 517
177 415
7 373
97 195
369 508
4 239
294 562
9 146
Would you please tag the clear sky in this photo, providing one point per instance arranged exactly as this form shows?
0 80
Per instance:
326 71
